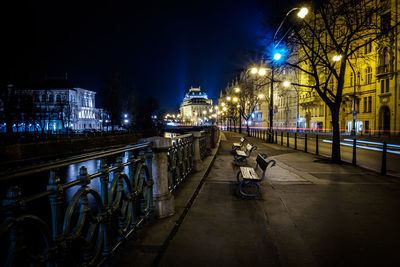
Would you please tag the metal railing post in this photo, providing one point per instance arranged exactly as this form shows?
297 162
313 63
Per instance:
287 139
295 141
383 167
316 145
305 143
354 161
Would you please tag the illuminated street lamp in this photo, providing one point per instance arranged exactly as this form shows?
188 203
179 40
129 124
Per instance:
254 70
237 90
337 58
286 84
260 96
235 99
228 98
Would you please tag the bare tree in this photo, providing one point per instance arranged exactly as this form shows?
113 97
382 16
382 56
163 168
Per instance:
323 45
251 91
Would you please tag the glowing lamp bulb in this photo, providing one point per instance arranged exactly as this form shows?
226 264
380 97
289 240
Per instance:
262 72
277 56
254 70
302 13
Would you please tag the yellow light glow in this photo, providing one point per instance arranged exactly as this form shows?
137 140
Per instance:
228 98
216 107
237 89
219 112
260 96
223 104
337 57
235 99
302 13
254 70
204 111
286 83
262 71
238 106
224 109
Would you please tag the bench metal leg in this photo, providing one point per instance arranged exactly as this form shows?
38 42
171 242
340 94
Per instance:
246 185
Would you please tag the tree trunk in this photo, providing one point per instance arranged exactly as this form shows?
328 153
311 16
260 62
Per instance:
248 128
335 137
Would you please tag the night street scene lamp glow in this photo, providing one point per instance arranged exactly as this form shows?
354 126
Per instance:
237 89
254 70
302 13
228 98
286 83
260 96
262 71
235 99
337 57
277 56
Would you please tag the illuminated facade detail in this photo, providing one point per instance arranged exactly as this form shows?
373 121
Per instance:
371 95
195 107
58 105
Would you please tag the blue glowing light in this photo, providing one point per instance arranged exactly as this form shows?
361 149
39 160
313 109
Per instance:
277 56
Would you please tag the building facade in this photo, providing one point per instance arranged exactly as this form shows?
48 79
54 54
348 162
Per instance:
371 100
195 108
54 106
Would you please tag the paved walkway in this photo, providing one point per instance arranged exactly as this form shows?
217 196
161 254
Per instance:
310 213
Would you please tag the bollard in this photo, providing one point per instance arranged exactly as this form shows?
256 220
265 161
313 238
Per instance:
287 139
295 141
281 138
316 145
305 143
354 162
276 137
383 167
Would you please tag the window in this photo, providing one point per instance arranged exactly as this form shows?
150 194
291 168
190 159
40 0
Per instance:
385 22
382 86
358 78
369 103
387 85
368 74
365 104
51 98
58 98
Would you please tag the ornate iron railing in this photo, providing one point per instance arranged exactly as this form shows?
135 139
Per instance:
180 160
92 225
203 145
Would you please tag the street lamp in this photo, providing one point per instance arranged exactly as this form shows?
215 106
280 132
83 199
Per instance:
237 90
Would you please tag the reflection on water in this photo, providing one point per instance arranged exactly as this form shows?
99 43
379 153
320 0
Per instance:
71 173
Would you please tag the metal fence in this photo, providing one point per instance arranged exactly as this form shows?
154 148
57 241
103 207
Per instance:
180 160
48 228
377 155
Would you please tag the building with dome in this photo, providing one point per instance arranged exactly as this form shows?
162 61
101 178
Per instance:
195 107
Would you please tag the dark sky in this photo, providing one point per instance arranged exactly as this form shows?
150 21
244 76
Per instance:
161 48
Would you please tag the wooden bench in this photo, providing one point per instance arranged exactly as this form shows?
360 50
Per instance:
236 146
241 156
248 178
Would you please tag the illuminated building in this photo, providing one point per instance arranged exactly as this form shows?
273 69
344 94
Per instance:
195 107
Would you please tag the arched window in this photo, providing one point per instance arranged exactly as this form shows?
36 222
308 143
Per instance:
358 78
51 98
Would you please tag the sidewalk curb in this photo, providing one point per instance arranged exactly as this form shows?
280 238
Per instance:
188 205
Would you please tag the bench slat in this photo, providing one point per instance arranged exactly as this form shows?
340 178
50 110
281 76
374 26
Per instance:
249 173
237 144
241 153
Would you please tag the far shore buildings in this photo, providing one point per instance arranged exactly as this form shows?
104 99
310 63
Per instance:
195 107
53 106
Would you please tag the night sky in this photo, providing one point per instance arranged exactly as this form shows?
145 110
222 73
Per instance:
162 48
